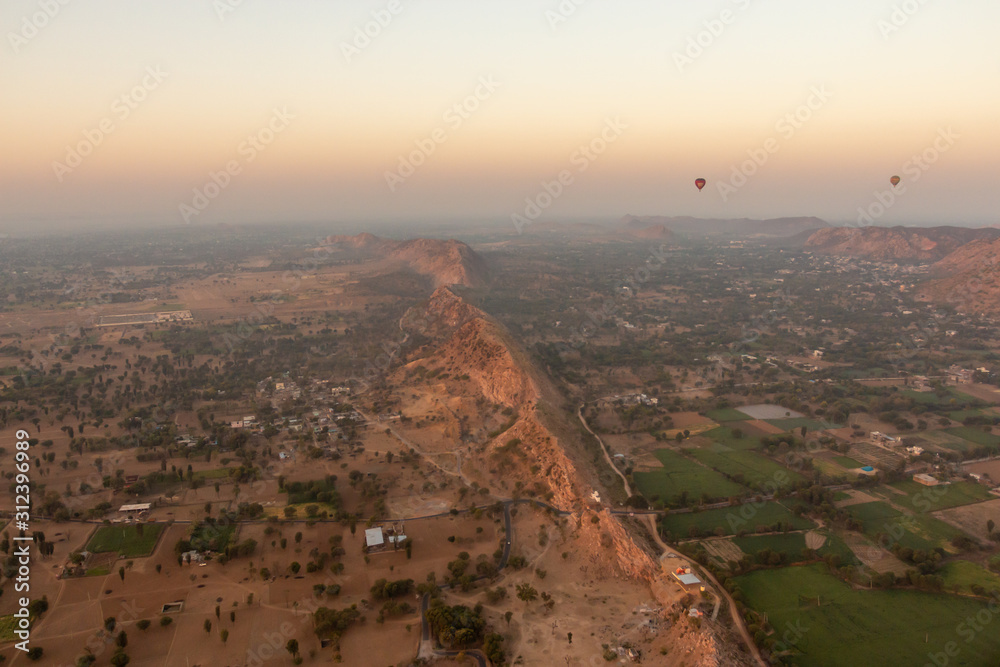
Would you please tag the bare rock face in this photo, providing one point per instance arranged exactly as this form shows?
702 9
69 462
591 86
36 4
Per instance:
970 279
894 243
448 262
487 369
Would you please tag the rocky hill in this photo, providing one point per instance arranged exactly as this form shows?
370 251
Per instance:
447 262
969 278
907 244
491 395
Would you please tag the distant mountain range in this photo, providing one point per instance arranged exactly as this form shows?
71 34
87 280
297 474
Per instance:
742 228
448 262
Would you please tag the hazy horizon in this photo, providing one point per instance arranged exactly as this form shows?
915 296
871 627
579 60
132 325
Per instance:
161 97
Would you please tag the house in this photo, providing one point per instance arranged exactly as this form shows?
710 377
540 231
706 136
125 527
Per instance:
818 354
925 479
916 451
134 510
374 537
686 578
883 439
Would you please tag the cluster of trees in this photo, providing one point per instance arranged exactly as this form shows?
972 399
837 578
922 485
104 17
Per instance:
456 626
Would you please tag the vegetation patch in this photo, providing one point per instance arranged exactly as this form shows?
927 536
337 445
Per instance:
732 520
681 478
128 540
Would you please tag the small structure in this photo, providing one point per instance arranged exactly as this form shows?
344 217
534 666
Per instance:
134 511
686 578
925 479
378 539
374 539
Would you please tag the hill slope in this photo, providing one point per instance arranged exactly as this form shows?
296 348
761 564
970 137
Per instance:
970 278
894 243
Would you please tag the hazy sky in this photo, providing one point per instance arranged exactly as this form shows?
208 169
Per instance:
120 110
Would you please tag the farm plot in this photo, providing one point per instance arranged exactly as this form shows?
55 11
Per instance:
864 627
680 475
976 436
733 519
746 467
129 540
931 499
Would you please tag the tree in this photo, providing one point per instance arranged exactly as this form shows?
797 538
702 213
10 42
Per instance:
143 624
990 525
35 653
217 611
120 659
165 621
109 623
224 635
121 573
208 625
507 616
292 646
526 592
122 640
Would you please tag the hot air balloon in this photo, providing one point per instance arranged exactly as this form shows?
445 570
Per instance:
701 182
895 180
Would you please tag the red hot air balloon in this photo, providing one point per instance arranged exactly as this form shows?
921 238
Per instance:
895 180
701 182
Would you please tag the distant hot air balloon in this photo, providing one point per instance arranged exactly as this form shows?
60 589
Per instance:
895 180
701 182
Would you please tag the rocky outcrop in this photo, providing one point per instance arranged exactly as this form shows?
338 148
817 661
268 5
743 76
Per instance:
908 244
970 279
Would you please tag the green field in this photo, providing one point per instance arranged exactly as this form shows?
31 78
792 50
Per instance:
916 532
976 435
7 626
964 574
727 436
789 425
790 544
680 474
847 462
124 539
727 415
753 469
932 498
960 415
943 439
217 473
843 626
733 519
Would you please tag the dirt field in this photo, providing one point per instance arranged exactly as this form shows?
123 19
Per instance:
983 392
991 468
856 498
763 426
877 559
972 518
